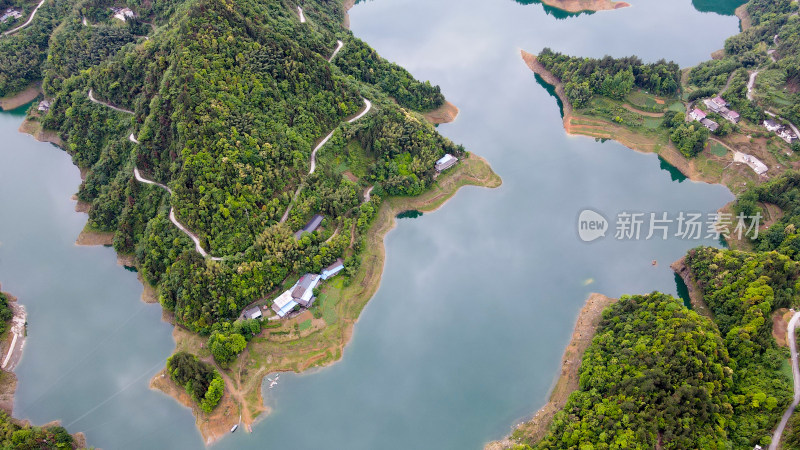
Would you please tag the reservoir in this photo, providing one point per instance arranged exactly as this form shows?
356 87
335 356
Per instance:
478 299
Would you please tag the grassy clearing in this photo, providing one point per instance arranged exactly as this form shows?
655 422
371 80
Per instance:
717 149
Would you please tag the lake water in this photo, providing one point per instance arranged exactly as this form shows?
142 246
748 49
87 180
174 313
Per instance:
478 300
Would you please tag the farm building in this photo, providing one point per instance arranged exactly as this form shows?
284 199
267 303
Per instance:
253 313
284 304
311 226
333 269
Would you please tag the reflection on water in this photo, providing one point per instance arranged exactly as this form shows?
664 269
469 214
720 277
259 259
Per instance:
683 291
409 214
676 174
550 90
559 14
721 7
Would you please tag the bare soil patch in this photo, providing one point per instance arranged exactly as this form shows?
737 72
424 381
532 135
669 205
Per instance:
443 114
780 324
21 98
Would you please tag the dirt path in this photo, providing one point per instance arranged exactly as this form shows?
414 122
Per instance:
17 334
172 217
750 83
339 45
367 108
107 105
776 437
633 109
28 22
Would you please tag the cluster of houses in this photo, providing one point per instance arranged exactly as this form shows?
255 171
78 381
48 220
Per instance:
11 13
782 131
122 14
719 106
301 295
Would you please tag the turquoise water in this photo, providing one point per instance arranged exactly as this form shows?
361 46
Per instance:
478 300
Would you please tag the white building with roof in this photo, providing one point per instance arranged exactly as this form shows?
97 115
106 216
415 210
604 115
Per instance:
284 304
445 162
754 163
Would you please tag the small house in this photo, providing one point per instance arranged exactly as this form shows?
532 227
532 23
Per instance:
311 226
122 14
284 304
253 313
697 114
446 162
771 125
787 135
716 104
754 163
303 291
710 124
333 269
44 106
11 13
731 115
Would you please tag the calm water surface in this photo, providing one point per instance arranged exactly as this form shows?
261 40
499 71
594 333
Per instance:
478 299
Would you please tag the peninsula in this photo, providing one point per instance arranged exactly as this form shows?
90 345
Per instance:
715 122
231 151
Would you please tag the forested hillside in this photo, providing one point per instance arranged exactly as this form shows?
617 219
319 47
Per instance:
655 376
227 98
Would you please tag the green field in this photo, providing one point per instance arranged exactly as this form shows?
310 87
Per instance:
717 149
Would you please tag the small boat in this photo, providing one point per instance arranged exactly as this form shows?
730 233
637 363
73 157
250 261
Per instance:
270 379
234 428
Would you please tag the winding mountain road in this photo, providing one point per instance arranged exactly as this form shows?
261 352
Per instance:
172 217
339 45
776 437
367 108
28 22
313 164
107 105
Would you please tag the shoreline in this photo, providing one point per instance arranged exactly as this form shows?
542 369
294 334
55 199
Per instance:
323 344
745 21
11 357
20 98
536 427
575 6
576 124
695 295
446 113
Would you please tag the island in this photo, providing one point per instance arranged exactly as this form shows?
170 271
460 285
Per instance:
247 159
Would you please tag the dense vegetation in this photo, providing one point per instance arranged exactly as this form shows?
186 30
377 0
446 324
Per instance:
228 100
584 78
201 381
5 313
656 375
15 436
689 137
784 192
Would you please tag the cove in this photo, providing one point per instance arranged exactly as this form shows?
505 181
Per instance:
478 299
